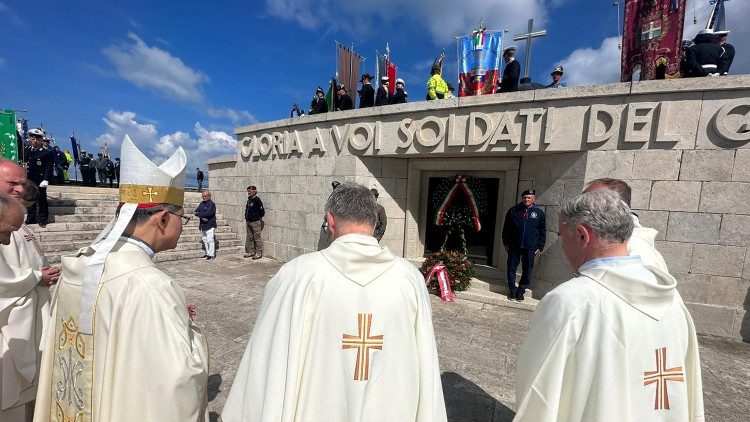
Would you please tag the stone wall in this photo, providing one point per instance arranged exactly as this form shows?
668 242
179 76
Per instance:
682 145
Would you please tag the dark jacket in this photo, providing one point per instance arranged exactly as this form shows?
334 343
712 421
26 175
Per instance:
524 228
511 77
704 52
383 97
41 162
206 211
199 176
318 105
399 97
726 59
344 103
254 210
366 96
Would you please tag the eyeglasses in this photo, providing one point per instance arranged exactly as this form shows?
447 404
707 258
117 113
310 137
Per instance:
185 219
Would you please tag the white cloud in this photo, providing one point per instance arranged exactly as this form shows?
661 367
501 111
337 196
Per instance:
589 66
199 146
15 20
235 116
443 19
152 68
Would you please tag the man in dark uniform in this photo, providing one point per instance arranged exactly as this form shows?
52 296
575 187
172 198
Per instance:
319 104
40 163
382 218
727 57
367 92
524 235
383 96
400 96
512 72
342 101
702 59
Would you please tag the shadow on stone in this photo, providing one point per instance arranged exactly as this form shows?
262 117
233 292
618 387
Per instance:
745 326
466 401
214 386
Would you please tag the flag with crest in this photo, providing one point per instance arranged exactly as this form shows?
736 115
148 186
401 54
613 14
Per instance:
479 62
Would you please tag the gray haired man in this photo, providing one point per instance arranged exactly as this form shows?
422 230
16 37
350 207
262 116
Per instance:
616 339
342 333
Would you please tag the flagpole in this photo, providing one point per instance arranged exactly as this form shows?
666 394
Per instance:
458 70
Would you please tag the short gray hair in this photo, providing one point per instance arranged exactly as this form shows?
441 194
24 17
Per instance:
353 203
603 212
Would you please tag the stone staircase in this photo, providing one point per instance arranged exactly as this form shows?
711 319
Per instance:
78 214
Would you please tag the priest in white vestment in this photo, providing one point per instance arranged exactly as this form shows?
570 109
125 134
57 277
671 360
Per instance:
643 240
343 334
615 342
25 317
122 346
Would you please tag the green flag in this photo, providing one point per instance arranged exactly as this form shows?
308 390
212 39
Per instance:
329 95
8 138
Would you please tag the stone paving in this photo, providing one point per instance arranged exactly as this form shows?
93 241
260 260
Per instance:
477 343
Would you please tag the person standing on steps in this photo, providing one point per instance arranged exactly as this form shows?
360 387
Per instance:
524 235
206 213
254 213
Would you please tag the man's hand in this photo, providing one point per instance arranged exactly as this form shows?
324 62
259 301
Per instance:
191 310
538 252
50 276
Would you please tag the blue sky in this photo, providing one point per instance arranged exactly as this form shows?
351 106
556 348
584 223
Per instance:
187 73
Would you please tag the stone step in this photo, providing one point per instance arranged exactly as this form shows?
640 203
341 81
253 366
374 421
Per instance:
94 225
182 251
77 190
75 202
101 210
497 299
229 239
66 235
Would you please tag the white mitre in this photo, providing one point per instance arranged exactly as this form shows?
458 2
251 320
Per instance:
143 184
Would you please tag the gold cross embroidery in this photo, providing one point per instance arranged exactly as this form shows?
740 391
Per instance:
150 194
363 342
660 377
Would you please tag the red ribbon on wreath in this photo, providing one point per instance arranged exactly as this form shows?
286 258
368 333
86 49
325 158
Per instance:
459 186
446 293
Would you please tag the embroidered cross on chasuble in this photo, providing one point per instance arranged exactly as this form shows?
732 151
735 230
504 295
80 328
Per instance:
660 378
364 343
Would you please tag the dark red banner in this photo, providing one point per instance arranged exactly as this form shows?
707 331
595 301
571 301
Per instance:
652 38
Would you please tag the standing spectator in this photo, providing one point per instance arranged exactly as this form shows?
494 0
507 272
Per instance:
727 57
319 104
703 58
512 71
615 342
400 96
60 162
109 171
382 217
101 168
383 96
367 92
298 366
297 110
206 213
85 165
254 213
342 101
40 162
68 161
557 75
524 234
117 170
199 178
437 89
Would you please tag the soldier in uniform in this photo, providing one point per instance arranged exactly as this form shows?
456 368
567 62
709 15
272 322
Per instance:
512 71
702 59
727 57
557 75
85 165
319 104
367 92
40 162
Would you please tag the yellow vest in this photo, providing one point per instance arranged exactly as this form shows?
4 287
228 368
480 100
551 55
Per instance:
436 87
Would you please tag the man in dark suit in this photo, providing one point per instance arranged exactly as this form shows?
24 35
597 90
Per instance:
40 163
367 92
512 72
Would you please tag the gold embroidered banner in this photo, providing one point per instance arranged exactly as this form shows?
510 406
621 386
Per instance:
145 194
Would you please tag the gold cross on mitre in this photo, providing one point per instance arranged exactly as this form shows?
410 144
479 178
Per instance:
660 377
363 342
150 194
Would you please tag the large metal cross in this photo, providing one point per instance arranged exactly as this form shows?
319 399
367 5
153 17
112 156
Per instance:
528 37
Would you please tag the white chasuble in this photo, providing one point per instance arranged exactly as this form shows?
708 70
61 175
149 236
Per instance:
615 343
144 361
642 244
344 334
24 312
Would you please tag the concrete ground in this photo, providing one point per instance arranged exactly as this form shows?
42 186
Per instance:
477 343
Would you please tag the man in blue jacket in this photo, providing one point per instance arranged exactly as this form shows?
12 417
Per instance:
524 234
206 213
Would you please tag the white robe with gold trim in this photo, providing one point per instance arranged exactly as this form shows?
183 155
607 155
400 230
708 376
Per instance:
23 319
144 362
615 343
344 334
